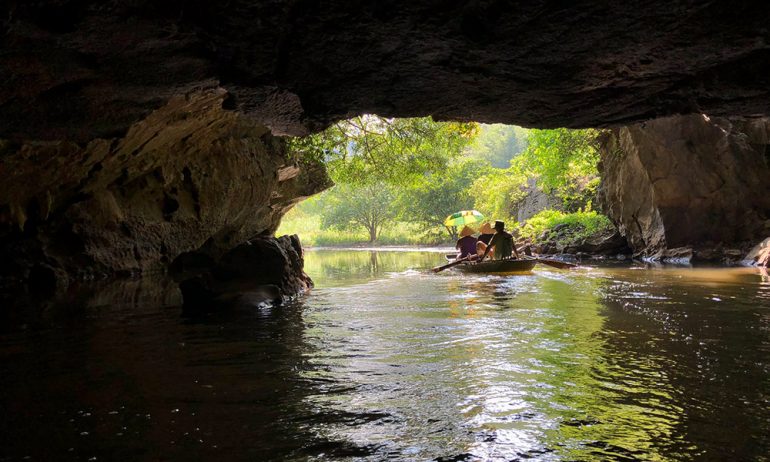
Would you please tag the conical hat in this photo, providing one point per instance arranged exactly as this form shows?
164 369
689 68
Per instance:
467 231
486 228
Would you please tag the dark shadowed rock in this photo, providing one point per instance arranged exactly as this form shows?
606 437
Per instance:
191 178
140 134
262 271
81 69
688 182
606 243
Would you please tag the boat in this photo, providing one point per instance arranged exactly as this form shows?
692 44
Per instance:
495 266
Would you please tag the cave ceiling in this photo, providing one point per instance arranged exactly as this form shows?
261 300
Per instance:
78 69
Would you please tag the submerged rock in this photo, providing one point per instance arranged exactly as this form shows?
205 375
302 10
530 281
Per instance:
262 271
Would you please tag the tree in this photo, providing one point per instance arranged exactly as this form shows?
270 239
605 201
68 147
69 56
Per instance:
397 151
369 157
430 200
497 193
370 206
560 157
497 144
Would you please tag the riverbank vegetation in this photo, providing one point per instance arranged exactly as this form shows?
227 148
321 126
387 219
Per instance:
396 180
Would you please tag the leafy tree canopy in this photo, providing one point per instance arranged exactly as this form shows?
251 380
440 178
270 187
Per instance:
370 148
434 197
560 157
497 144
497 193
371 206
418 171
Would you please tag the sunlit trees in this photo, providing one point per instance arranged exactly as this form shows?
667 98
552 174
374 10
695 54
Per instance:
369 157
396 151
497 144
560 158
497 193
370 206
418 171
437 195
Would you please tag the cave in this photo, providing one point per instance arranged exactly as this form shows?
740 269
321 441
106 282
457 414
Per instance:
149 138
138 137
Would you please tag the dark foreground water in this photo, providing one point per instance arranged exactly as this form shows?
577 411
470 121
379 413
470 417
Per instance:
386 361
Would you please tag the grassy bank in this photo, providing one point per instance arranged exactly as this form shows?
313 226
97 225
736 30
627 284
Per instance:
572 228
308 228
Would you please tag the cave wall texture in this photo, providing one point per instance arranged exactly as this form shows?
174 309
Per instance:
693 183
80 69
138 135
187 184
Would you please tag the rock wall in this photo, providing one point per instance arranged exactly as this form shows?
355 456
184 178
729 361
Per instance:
535 200
191 179
262 270
81 69
693 182
123 154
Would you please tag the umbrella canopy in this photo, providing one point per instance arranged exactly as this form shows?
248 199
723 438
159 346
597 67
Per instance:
464 217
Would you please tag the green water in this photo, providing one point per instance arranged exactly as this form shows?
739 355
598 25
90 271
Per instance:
384 360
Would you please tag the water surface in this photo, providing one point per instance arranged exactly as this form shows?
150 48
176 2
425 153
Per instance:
384 360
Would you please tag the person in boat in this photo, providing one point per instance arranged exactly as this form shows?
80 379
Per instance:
485 236
502 243
467 243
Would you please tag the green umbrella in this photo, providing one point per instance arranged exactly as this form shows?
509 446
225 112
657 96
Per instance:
464 217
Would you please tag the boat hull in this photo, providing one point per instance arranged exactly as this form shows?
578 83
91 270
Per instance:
498 266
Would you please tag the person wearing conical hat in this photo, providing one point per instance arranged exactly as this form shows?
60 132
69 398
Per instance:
502 243
485 236
467 243
486 232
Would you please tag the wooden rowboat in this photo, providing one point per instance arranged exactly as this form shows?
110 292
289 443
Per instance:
496 266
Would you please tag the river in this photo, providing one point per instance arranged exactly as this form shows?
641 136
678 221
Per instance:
385 360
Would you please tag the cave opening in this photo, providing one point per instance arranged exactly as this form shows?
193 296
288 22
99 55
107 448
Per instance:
397 180
212 249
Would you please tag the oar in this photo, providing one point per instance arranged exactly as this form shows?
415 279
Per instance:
449 265
555 263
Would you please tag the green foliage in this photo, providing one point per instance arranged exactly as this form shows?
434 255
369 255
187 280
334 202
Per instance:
368 156
370 148
308 227
432 198
496 193
370 206
560 157
562 160
579 195
414 172
578 225
497 144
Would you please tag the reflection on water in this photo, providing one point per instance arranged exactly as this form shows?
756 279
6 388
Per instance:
385 360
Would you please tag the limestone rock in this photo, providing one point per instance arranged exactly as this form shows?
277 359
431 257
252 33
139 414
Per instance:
759 255
687 181
606 243
534 201
190 178
85 69
264 270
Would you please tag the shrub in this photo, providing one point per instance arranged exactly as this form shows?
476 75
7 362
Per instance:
576 226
